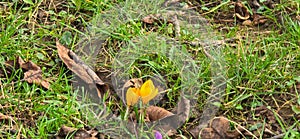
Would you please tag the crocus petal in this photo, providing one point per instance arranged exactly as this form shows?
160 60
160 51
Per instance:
157 135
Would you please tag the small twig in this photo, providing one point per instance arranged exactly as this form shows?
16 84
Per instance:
164 91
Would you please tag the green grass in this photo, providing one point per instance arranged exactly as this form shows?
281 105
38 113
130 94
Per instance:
261 65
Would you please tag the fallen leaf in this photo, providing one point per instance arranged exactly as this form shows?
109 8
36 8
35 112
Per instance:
207 133
32 76
167 125
155 113
32 72
75 133
166 121
298 17
159 118
152 113
183 109
167 17
82 134
83 71
218 128
221 126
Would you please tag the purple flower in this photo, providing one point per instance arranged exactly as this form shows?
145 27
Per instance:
158 135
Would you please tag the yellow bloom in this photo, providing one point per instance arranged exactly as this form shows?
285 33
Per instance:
146 93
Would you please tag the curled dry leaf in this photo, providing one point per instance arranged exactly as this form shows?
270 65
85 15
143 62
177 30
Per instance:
156 113
208 133
222 127
167 125
81 133
241 11
162 120
183 109
83 71
168 122
153 113
218 128
32 72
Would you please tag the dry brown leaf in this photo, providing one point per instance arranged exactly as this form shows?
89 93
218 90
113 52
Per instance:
159 18
222 128
218 128
220 125
81 133
159 118
183 109
207 133
83 71
32 72
153 113
156 113
166 121
241 11
35 76
167 125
